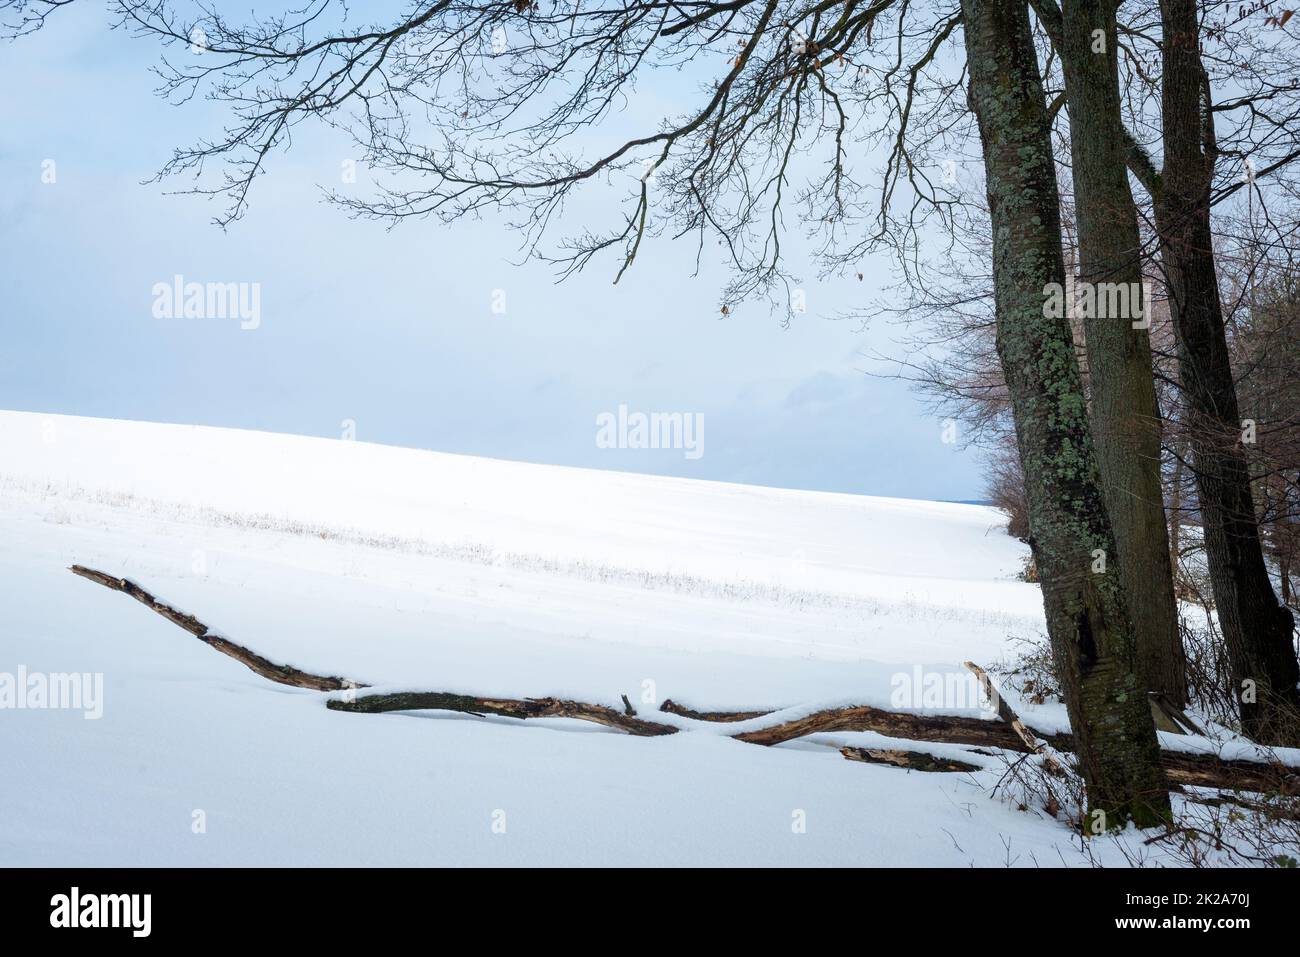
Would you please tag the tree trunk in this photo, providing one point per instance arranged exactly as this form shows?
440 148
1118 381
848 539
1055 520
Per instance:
1176 510
1125 415
1087 615
1256 629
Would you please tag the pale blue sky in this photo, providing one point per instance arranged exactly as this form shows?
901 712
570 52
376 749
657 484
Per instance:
394 329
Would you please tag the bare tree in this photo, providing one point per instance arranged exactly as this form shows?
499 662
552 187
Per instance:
1245 132
1256 629
1092 634
1124 411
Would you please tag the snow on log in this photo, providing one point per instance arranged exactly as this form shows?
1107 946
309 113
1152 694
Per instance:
1184 768
502 707
912 760
1181 767
946 729
672 707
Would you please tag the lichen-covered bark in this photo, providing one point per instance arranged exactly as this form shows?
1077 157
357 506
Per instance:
1125 415
1087 615
1257 631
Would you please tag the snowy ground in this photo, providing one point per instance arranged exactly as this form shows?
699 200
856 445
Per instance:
414 569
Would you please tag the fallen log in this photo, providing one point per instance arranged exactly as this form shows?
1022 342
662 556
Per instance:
1203 770
375 704
1185 768
941 728
281 674
1272 809
502 707
912 760
1211 771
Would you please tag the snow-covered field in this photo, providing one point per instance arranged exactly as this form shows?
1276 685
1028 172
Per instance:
414 569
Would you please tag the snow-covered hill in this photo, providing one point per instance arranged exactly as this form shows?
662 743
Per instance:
411 568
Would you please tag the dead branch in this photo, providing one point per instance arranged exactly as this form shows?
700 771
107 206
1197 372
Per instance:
1185 768
1203 770
281 674
1005 711
502 707
945 729
1169 717
1211 771
912 760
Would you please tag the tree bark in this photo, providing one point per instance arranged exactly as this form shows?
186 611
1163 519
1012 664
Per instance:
911 760
1087 614
1257 631
1176 510
1124 412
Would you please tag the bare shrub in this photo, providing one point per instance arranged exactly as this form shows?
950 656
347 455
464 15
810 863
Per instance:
1005 488
1209 678
1030 669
